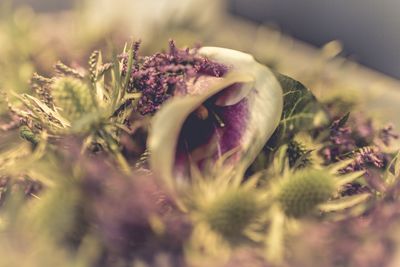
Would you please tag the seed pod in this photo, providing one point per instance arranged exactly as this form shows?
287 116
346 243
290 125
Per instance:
73 97
301 193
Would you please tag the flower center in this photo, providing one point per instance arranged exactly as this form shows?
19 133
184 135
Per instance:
203 112
209 132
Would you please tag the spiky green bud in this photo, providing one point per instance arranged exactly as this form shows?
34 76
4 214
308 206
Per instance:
232 212
64 70
73 97
301 193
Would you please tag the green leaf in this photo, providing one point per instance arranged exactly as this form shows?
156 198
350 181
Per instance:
343 120
392 172
301 111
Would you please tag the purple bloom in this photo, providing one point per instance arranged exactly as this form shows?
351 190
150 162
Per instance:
340 141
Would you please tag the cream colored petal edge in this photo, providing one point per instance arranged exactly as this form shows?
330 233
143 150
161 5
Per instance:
236 61
266 105
265 98
168 121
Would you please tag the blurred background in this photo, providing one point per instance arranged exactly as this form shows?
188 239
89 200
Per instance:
368 29
329 46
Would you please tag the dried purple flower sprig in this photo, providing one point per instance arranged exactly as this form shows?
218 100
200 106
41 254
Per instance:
164 74
355 138
357 142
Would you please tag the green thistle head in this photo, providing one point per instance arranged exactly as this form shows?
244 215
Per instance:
232 212
73 97
301 193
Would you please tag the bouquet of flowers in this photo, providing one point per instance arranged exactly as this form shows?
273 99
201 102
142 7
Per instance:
192 157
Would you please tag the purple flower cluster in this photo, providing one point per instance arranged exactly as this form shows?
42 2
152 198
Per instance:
365 157
164 74
340 141
356 143
361 141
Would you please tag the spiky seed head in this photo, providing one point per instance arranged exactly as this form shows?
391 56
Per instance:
230 213
73 97
301 193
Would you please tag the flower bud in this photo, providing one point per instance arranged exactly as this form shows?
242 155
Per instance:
302 192
232 212
73 97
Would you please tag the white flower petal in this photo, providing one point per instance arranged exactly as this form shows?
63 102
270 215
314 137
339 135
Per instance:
249 81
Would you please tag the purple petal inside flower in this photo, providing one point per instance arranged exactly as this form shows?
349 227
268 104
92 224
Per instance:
209 132
234 117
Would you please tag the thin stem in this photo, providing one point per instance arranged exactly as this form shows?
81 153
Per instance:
113 147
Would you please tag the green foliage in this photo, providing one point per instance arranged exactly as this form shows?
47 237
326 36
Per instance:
299 156
301 111
301 193
28 135
72 102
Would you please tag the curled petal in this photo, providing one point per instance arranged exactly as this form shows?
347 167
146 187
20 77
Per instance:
240 112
